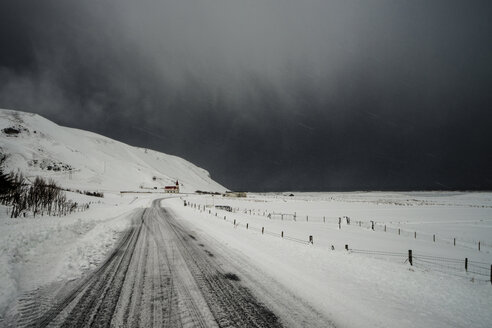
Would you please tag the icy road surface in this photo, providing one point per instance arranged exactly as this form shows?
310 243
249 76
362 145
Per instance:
161 275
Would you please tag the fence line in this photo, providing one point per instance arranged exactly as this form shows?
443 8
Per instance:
467 243
383 253
481 272
281 235
456 267
371 225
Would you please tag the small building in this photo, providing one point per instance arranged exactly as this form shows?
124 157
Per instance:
172 189
224 208
235 194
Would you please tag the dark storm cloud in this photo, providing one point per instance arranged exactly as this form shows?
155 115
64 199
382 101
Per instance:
271 94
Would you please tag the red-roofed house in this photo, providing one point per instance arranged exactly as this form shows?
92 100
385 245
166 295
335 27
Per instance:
172 189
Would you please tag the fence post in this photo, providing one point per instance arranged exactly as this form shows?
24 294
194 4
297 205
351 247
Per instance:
262 230
307 218
324 219
434 238
385 228
454 241
491 274
479 246
311 239
346 247
466 264
415 234
398 231
234 221
282 234
247 225
410 258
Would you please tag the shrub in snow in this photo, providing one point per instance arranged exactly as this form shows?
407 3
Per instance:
38 197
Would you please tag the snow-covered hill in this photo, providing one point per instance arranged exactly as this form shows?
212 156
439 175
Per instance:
83 160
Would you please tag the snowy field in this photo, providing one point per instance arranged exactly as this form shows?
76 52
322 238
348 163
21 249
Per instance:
373 284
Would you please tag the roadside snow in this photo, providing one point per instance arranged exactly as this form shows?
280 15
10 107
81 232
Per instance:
353 290
361 290
35 252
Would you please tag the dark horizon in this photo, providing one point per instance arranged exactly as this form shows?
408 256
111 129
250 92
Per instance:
268 95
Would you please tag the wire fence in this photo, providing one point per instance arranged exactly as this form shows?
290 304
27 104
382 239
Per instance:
247 226
281 235
479 272
479 245
379 253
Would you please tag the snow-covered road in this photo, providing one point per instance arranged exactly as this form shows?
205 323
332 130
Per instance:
134 261
162 275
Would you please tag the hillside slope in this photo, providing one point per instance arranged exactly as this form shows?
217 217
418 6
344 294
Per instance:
84 160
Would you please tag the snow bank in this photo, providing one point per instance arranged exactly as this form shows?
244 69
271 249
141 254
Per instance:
361 290
35 252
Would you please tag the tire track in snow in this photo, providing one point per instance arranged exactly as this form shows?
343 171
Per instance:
158 276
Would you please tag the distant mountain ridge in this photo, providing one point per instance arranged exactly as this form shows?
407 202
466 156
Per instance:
84 160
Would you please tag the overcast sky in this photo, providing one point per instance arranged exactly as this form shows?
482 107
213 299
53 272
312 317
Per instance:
268 94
